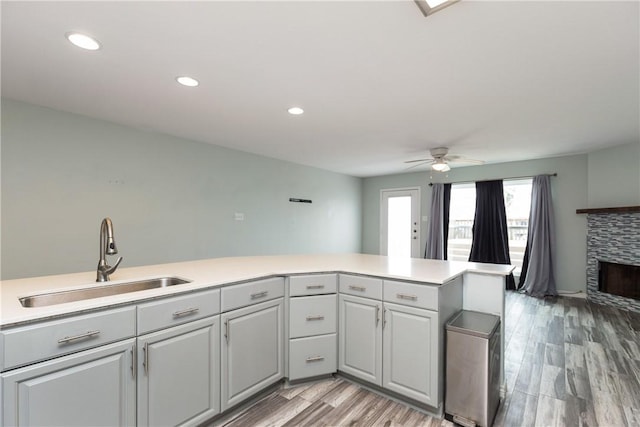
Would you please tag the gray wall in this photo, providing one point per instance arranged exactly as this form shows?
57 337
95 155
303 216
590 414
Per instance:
614 177
569 193
170 199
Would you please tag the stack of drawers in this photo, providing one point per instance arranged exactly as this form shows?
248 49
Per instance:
312 325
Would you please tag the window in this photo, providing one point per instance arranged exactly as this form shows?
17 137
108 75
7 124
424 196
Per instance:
517 201
461 212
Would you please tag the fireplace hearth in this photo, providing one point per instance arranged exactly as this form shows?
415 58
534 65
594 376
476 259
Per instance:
619 279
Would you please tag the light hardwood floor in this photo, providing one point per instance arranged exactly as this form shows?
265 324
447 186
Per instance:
568 362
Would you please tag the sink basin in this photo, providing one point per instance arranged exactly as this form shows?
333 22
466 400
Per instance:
99 291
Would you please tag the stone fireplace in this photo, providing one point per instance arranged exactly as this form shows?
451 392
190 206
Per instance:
613 256
619 279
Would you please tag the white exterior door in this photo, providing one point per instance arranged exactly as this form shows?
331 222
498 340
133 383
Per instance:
400 222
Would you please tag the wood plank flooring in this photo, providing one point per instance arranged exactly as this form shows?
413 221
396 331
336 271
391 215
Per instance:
568 362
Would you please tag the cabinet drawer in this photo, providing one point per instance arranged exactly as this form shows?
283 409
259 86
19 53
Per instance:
310 357
313 284
41 341
421 296
312 315
367 287
251 293
174 311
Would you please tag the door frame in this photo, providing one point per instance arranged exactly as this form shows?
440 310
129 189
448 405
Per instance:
382 249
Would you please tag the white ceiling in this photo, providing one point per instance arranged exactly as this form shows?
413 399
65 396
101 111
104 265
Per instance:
379 82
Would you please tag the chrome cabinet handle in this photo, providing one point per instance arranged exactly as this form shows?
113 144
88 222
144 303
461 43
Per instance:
315 286
377 315
145 360
406 296
186 312
259 295
384 318
226 330
357 288
134 360
314 359
67 340
315 317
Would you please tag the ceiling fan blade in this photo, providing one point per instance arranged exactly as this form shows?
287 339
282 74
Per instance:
458 159
419 164
419 160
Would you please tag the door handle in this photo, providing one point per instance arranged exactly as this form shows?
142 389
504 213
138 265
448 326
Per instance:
134 360
145 360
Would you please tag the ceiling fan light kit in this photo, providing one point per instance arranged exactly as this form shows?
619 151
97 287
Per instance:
440 159
440 166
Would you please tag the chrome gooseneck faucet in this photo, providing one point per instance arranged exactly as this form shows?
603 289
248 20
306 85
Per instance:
107 247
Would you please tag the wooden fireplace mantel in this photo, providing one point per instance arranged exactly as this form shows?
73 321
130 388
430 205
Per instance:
621 209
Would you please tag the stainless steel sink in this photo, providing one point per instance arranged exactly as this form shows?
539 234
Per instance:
99 291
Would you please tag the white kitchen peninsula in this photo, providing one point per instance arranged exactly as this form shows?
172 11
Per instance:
233 285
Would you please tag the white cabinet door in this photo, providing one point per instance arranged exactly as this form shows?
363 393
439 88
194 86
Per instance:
411 352
179 374
252 350
91 388
360 348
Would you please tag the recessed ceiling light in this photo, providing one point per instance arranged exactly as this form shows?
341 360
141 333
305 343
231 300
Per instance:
83 41
187 81
296 111
432 6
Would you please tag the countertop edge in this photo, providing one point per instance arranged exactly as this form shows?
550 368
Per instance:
22 316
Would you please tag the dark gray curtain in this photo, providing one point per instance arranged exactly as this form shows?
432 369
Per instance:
537 277
490 236
438 232
445 216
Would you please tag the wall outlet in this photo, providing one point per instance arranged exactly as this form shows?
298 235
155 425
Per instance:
239 216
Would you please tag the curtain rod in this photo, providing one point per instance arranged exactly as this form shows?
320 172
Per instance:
511 177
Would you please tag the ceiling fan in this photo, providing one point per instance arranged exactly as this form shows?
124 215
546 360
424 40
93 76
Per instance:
440 160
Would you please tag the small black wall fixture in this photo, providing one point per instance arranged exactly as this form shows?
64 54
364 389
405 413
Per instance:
291 199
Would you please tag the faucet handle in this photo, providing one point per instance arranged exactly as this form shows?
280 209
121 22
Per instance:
113 268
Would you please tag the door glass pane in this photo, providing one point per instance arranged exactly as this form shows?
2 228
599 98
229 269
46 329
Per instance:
399 227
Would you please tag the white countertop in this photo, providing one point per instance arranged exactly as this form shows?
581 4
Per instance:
220 271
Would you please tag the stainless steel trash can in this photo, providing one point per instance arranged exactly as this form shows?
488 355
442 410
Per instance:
472 393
